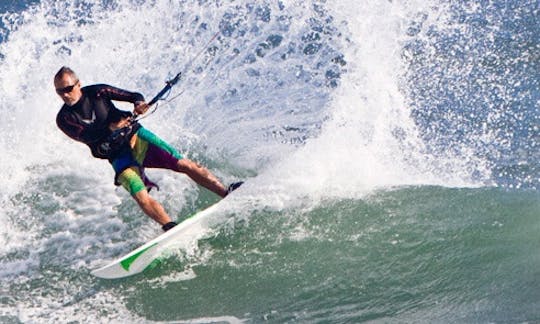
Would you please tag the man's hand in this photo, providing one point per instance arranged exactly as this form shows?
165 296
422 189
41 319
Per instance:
140 107
124 122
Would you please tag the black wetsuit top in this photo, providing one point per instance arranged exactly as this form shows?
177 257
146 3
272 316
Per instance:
88 120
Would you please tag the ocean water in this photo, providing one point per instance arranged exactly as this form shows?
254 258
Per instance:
389 148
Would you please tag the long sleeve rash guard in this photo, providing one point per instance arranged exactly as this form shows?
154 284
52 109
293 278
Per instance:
88 120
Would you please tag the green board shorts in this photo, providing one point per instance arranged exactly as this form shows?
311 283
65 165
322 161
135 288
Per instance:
149 151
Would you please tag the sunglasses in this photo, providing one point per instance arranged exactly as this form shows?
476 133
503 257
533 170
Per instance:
67 89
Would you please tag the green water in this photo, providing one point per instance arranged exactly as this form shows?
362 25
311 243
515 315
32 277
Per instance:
423 254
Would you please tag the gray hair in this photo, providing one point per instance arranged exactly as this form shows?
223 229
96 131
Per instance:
63 71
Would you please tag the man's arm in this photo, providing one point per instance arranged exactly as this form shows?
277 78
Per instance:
69 126
113 93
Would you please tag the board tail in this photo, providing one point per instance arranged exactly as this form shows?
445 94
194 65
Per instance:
149 255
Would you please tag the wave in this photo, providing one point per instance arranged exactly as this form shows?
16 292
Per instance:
331 110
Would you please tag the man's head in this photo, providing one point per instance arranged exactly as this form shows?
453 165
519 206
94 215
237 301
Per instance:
67 86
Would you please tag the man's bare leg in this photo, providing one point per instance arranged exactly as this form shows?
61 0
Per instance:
201 176
151 207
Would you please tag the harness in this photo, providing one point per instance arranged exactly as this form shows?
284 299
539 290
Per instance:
117 142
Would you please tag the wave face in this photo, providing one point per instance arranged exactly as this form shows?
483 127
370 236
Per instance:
390 148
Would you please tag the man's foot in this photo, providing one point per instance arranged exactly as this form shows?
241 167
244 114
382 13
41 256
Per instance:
233 186
168 226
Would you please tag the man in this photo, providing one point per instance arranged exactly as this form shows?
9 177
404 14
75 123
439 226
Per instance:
89 116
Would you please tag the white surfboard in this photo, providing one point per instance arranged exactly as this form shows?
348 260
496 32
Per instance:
144 257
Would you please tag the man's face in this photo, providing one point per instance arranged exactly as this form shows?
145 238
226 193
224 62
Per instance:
68 88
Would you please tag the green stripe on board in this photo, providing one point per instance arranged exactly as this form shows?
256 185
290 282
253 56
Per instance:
126 263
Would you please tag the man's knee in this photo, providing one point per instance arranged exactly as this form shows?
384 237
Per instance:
186 166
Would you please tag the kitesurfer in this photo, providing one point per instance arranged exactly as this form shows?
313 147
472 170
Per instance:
89 116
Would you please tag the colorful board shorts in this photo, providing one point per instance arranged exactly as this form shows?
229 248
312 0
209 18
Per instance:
149 151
